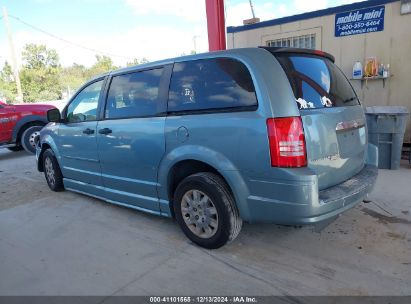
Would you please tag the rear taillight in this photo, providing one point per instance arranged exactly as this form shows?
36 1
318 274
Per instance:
287 142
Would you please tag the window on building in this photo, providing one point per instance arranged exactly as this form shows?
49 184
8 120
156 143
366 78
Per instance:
304 42
210 84
134 95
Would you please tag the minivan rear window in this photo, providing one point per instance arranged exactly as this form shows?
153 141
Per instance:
211 85
317 82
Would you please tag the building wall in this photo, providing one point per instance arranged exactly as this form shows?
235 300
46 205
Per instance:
392 45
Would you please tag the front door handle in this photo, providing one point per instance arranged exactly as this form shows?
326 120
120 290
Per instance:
105 131
88 131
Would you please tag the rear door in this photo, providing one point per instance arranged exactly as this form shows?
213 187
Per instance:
333 119
131 136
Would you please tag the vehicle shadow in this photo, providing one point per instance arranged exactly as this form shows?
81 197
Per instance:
7 155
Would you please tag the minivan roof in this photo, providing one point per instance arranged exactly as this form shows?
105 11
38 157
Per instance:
180 59
219 53
282 50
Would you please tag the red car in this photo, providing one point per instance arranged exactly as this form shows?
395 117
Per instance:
20 124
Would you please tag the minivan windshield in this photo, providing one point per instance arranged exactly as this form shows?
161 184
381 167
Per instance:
316 81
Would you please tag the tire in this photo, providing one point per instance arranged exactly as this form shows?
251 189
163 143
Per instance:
15 148
52 171
205 210
27 138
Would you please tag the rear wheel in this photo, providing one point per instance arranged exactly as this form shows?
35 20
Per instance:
206 211
28 138
52 171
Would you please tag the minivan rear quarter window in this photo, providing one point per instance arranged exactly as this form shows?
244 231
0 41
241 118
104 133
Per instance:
211 85
317 82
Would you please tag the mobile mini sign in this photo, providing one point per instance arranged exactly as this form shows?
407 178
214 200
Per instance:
362 21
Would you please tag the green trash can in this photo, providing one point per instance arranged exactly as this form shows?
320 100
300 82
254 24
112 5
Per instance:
386 127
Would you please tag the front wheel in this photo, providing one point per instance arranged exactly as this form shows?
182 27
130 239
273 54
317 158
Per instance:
206 211
52 171
28 138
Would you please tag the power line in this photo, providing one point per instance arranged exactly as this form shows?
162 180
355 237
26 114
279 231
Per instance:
67 41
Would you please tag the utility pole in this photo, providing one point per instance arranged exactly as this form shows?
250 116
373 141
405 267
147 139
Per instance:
13 55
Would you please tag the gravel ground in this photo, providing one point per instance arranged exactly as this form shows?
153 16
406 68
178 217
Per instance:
69 244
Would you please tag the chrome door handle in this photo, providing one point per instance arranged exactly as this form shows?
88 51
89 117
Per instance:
105 131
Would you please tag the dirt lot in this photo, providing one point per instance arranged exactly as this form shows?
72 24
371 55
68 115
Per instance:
69 244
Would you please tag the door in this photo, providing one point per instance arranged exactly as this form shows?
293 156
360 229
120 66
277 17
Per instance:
7 121
333 119
77 137
131 137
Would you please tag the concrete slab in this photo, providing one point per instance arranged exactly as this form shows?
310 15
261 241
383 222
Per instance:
69 244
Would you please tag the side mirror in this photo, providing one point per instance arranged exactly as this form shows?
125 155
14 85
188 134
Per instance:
53 115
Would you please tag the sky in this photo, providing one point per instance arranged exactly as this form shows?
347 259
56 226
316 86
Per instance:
127 29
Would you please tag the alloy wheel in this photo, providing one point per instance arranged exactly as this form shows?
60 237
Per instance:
48 166
199 214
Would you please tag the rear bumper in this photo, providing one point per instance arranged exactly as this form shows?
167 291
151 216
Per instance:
306 205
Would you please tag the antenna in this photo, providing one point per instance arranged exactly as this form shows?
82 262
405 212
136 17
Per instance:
254 19
252 8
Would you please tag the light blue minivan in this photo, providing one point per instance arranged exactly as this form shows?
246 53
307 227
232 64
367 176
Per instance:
256 134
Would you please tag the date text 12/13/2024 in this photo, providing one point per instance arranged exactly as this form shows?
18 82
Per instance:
203 299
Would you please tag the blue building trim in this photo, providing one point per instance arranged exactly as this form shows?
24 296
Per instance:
315 14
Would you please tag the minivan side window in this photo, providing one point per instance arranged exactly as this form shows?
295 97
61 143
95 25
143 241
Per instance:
134 95
84 106
211 84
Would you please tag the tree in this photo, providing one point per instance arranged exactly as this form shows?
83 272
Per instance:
38 56
104 64
7 73
132 63
137 61
42 77
144 60
40 73
8 89
71 78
